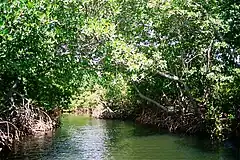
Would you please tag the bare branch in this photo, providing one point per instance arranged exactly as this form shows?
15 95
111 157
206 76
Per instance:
150 100
187 90
209 56
175 78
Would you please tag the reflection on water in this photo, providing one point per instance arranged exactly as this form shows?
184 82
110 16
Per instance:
83 138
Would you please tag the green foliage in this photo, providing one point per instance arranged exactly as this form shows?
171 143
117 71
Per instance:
111 91
92 52
34 51
89 98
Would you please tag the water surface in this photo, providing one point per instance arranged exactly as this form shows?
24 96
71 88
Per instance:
84 138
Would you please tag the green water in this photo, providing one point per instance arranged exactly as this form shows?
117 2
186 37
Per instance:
83 138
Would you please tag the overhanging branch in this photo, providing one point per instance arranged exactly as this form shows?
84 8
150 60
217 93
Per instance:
187 90
150 100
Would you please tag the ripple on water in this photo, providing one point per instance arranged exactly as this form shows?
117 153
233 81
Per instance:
83 138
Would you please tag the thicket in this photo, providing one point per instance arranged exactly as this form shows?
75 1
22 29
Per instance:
181 56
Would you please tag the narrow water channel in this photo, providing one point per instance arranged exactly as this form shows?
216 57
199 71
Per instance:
83 138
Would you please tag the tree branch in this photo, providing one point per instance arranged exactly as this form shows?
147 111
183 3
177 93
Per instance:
150 100
175 78
209 56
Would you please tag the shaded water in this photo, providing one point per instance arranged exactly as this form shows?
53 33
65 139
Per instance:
83 138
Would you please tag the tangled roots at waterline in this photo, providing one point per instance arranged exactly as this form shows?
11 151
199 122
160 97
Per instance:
187 123
23 119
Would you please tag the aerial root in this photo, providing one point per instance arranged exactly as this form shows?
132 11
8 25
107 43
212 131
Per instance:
8 133
174 122
24 119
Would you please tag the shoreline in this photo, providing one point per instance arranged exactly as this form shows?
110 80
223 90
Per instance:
150 117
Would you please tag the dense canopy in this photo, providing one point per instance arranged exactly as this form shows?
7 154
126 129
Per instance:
179 55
